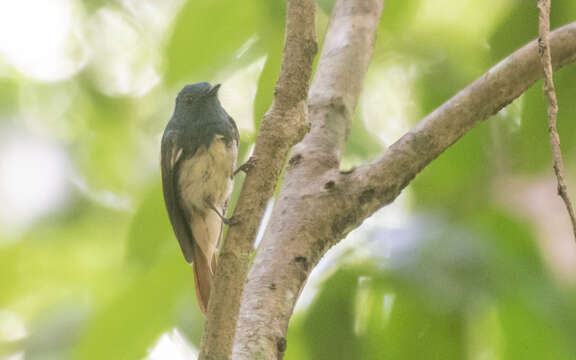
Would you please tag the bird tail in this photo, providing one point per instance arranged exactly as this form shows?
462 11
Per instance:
203 274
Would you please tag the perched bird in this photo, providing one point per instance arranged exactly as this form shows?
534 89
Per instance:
198 158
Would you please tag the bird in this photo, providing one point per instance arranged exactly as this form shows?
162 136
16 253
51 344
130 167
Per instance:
199 148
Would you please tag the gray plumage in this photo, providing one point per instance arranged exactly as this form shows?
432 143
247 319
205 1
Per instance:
198 158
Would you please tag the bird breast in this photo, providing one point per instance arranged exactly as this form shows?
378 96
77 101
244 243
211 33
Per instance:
206 177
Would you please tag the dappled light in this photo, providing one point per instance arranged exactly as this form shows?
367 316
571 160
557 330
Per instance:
474 260
33 182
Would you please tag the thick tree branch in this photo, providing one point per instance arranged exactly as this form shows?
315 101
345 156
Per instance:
283 126
338 80
318 208
387 176
289 249
545 58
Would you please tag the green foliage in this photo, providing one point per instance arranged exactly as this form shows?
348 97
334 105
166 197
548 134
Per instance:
143 309
271 36
530 144
467 274
150 231
361 145
201 44
435 290
8 99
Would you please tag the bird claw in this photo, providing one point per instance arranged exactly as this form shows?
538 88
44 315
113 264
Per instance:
246 167
230 221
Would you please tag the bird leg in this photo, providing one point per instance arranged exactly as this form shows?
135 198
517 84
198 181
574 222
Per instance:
228 221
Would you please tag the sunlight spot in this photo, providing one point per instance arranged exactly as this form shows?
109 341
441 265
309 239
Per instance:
172 346
155 16
32 181
102 197
387 105
264 222
40 39
124 59
359 245
239 91
11 326
246 46
17 356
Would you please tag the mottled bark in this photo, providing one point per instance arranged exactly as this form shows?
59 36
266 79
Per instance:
299 232
318 205
283 126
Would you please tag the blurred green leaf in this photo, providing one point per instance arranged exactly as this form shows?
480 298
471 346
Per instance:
329 324
361 144
56 332
94 5
415 332
437 286
325 5
150 233
271 35
529 335
8 97
266 84
456 181
515 30
528 148
102 277
521 25
397 14
105 146
128 326
206 36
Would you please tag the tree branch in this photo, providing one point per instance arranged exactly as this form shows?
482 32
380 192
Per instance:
545 58
338 80
288 248
317 208
385 178
283 126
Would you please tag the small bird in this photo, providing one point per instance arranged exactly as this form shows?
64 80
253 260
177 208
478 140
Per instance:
198 158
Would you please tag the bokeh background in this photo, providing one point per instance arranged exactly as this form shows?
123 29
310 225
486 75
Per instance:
475 260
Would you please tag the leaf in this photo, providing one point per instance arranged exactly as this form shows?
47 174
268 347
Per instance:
398 14
128 326
271 35
334 305
8 97
361 145
150 233
206 36
529 147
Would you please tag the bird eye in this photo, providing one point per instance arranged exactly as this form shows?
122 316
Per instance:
189 99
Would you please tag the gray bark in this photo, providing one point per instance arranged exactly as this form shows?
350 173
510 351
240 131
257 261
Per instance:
318 205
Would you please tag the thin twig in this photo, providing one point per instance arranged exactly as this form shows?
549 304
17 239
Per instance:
546 59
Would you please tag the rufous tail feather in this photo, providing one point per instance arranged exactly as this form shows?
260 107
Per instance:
203 274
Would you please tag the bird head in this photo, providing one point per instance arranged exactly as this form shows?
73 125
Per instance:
197 93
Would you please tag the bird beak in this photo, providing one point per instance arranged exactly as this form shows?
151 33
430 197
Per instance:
214 89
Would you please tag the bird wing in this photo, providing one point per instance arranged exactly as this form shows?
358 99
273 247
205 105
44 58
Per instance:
235 134
171 155
171 161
